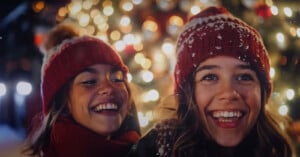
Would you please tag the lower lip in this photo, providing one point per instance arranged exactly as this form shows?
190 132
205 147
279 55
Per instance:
227 124
108 113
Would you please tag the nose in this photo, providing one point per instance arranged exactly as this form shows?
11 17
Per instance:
105 88
228 91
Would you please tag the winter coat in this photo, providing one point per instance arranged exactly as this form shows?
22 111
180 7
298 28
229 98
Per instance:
159 141
68 138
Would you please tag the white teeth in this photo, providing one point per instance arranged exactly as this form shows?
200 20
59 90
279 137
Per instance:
107 106
227 114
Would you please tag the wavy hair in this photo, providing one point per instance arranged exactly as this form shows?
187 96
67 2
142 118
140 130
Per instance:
42 124
266 139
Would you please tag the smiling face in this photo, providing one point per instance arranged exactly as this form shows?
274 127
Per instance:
98 99
228 95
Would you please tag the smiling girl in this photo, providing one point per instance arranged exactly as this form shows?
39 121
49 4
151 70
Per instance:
222 86
88 110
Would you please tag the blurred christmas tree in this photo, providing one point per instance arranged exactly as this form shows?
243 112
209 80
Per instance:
144 33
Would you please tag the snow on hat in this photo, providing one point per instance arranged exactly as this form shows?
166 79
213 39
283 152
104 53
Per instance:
66 60
216 32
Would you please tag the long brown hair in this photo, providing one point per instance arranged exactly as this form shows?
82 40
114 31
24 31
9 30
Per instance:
39 136
266 138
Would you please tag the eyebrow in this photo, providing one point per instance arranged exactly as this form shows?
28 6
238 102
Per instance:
90 70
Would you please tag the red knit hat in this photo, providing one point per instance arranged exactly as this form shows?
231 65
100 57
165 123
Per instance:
64 62
216 32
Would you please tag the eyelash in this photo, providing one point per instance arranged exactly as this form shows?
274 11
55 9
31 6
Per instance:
240 77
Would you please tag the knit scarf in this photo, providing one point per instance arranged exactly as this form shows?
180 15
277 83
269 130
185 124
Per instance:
68 138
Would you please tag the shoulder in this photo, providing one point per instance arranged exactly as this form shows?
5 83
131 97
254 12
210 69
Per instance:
157 142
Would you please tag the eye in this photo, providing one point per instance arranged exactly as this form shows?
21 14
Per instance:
89 82
117 76
209 77
245 77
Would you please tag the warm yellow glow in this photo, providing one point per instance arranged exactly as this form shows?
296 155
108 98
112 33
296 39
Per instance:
151 95
138 57
150 25
87 5
146 63
176 20
83 19
94 13
38 6
108 10
90 29
115 35
62 12
74 8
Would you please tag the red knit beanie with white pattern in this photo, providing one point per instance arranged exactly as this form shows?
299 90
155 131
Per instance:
69 58
216 32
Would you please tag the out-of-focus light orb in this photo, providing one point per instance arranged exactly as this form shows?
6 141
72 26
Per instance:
287 11
166 5
127 6
298 32
185 5
2 89
249 3
115 35
283 110
272 72
38 6
23 88
74 8
108 10
143 121
150 30
146 63
87 5
83 19
290 94
147 75
151 95
138 58
280 40
174 24
125 21
120 45
137 2
274 10
129 77
195 10
128 39
168 48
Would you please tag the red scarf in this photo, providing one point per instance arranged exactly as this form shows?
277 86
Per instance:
71 139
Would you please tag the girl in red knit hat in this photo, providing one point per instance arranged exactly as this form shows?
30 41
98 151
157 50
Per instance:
88 110
222 86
